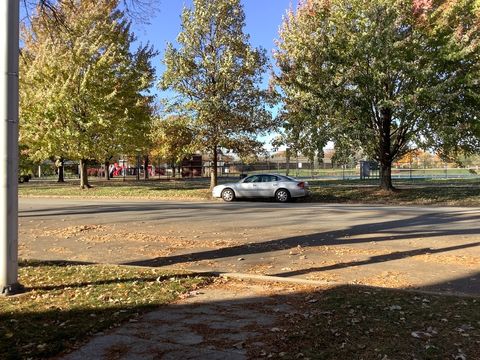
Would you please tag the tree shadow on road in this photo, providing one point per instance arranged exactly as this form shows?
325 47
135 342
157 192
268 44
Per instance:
438 225
397 255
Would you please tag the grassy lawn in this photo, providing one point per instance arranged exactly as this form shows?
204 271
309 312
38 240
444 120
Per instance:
350 322
420 193
150 189
66 303
450 192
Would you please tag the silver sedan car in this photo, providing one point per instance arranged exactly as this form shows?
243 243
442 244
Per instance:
281 187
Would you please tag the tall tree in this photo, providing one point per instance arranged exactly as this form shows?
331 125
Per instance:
216 75
385 73
84 94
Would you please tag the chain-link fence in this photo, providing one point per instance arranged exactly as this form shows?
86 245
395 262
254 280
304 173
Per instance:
348 171
302 168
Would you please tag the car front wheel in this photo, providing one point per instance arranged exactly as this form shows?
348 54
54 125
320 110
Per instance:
228 195
282 195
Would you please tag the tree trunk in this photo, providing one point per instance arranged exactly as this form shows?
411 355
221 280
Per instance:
385 155
145 167
213 169
61 173
107 169
287 161
138 168
386 176
83 175
173 170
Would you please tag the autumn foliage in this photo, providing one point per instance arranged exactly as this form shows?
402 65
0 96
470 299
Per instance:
383 75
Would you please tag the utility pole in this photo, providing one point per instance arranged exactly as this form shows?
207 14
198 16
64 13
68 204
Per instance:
9 52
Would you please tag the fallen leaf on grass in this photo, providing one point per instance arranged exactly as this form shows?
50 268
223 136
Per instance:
421 334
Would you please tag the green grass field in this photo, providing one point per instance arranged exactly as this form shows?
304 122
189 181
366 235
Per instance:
450 192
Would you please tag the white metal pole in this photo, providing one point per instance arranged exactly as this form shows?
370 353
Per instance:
9 51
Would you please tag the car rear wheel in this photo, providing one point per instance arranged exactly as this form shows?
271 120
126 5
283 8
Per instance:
282 195
228 195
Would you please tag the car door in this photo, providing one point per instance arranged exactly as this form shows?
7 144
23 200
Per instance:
267 186
247 188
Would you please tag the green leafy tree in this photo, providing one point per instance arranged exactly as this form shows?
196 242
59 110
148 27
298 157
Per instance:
345 152
84 94
302 133
25 165
216 75
173 139
384 73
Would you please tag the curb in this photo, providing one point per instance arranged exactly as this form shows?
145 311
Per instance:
277 279
298 281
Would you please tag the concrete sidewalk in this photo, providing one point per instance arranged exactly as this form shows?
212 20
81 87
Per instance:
226 320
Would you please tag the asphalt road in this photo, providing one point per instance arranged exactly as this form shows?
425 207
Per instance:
403 247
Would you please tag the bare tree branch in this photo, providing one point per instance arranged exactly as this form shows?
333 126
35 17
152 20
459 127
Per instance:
139 11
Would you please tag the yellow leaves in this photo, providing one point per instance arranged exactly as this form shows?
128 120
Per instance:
76 84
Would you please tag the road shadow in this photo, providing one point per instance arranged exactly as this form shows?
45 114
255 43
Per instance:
465 285
397 255
423 226
130 206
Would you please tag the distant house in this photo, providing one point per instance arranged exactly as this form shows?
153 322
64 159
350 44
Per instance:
225 163
192 166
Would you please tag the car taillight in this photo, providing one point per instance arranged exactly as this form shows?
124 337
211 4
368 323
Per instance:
301 185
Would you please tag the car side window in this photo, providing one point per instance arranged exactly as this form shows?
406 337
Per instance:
252 179
248 179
